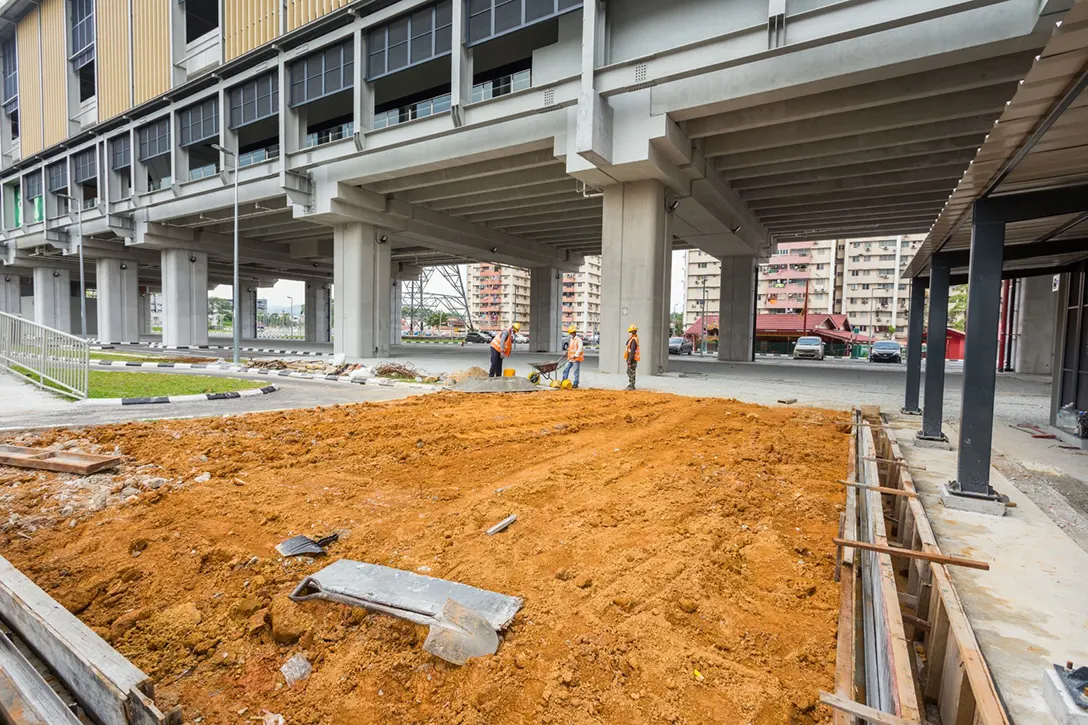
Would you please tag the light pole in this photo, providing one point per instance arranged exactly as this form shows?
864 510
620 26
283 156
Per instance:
291 316
82 277
237 325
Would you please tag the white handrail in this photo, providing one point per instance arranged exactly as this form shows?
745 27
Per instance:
46 357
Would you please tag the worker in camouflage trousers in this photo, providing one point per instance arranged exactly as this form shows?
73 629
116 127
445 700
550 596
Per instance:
631 355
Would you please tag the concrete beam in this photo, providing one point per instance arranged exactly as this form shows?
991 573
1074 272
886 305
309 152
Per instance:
542 211
951 80
573 221
875 214
856 230
970 104
511 199
889 169
747 166
807 226
821 208
467 171
908 190
487 184
951 173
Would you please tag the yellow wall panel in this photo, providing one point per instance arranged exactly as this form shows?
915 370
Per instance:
151 51
54 71
113 50
248 24
28 47
300 12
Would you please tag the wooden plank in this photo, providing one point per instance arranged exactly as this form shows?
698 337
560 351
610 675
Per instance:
955 703
936 642
98 676
880 489
25 697
863 711
844 646
142 711
60 461
915 554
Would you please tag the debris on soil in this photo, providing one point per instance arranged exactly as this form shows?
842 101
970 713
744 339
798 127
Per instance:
303 545
787 401
314 367
296 669
461 375
397 371
502 525
703 499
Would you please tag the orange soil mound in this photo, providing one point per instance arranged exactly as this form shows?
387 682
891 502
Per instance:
656 536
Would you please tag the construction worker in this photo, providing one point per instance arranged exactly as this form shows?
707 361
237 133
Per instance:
501 346
576 353
631 355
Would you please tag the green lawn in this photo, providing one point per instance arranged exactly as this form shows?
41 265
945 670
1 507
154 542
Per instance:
129 357
105 384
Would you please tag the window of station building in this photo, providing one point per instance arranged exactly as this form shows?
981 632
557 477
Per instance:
81 14
32 192
322 74
57 183
415 38
154 153
490 18
198 129
254 108
120 156
85 175
9 59
201 17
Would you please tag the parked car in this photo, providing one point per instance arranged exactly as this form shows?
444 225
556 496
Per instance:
480 336
521 339
680 346
809 347
886 351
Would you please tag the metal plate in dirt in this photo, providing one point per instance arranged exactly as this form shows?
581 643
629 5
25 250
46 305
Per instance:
414 592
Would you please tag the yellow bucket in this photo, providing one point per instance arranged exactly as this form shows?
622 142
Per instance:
509 373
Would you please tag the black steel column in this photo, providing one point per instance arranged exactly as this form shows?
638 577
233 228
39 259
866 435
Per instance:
980 354
935 350
915 330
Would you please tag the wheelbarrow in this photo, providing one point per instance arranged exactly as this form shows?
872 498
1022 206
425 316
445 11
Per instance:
545 370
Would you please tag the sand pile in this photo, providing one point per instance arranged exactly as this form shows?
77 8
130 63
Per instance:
657 537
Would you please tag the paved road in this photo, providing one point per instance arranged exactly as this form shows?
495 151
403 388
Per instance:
291 394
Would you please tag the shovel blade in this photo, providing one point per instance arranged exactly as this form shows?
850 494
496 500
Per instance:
460 635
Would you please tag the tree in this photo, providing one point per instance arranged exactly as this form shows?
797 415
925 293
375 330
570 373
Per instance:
437 318
676 320
957 307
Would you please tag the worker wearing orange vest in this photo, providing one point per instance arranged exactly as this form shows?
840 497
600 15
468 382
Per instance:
576 353
631 355
501 346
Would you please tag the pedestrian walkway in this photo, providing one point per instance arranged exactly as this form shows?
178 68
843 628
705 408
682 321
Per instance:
18 397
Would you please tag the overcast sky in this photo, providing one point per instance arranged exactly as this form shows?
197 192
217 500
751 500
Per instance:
279 295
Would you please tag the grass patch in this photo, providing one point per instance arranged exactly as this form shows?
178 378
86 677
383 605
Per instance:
128 357
105 384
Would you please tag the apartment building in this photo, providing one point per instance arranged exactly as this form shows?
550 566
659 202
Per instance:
499 296
860 278
582 297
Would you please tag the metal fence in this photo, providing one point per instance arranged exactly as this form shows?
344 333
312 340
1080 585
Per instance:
46 357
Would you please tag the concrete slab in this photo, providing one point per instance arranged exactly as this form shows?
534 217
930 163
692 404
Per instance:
957 502
1029 610
941 444
1061 703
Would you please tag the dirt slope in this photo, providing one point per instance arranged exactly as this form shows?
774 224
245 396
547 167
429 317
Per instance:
656 536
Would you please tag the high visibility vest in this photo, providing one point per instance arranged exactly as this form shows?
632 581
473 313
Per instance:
576 350
496 343
632 345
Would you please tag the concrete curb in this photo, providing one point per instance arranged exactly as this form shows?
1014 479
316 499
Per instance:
199 397
310 353
379 382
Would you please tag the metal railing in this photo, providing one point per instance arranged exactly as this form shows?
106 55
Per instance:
46 357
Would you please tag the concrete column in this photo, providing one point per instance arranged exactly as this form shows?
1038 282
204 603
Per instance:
634 272
184 297
1035 327
248 312
317 312
53 298
936 339
143 311
460 64
361 278
10 300
736 314
395 306
545 309
118 301
915 331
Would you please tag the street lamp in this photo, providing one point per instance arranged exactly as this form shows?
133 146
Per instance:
702 352
82 277
291 318
237 291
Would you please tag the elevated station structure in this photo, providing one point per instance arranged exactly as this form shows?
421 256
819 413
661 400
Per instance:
371 138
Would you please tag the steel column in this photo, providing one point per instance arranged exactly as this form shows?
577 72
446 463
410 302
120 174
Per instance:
936 338
979 369
915 330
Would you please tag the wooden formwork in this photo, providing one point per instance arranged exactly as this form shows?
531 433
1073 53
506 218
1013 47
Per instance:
905 647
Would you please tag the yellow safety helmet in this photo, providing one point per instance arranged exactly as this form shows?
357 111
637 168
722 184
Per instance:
517 327
633 328
572 329
566 385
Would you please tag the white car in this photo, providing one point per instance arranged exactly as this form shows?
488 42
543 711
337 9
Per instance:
809 347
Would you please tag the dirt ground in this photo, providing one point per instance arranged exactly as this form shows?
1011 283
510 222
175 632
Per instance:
674 555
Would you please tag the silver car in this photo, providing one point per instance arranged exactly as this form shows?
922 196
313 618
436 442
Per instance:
809 347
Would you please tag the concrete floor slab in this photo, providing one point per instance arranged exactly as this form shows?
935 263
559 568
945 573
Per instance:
1030 610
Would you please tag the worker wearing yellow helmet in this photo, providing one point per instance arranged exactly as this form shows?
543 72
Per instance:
501 347
631 355
576 353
